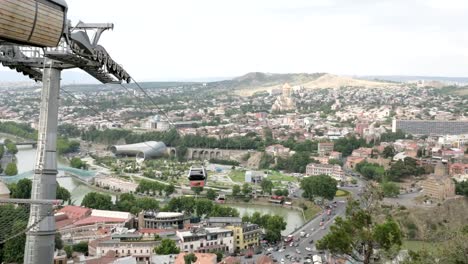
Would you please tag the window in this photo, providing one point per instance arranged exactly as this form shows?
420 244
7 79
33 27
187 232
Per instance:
185 246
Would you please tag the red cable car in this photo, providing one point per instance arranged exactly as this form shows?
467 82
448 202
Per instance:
197 176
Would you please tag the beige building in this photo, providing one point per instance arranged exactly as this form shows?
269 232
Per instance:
439 185
207 239
115 184
284 102
161 220
325 148
334 171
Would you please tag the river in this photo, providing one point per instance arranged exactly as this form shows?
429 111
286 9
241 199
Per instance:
26 158
292 217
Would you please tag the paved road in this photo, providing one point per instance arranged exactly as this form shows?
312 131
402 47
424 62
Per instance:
315 232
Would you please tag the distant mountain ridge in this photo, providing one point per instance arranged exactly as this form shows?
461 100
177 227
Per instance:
253 82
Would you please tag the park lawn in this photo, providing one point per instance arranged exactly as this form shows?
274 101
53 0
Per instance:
237 175
420 245
311 211
277 176
341 193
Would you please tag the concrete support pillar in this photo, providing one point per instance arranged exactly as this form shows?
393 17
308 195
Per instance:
40 239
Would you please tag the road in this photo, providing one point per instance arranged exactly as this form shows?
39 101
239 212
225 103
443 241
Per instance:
315 232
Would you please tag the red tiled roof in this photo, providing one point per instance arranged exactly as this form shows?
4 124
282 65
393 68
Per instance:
98 219
63 223
75 212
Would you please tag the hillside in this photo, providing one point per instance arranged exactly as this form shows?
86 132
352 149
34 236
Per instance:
264 82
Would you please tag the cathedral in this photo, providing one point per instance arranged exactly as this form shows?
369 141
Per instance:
284 102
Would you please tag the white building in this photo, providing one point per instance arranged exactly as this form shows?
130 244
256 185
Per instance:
334 171
115 184
207 239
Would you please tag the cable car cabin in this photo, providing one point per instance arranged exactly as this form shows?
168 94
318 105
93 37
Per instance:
38 23
197 176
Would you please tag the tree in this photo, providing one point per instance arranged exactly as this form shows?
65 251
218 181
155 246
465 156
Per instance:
246 189
359 235
63 194
11 169
69 250
322 185
461 188
77 163
97 201
11 147
267 186
13 249
190 258
169 189
22 189
58 241
335 161
197 190
388 152
390 189
236 190
167 247
211 194
81 247
282 192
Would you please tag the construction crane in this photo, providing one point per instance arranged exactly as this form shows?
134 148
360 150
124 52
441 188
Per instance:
37 40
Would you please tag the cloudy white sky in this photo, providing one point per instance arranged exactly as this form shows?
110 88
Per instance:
185 39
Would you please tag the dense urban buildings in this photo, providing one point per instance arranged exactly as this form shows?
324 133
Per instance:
430 127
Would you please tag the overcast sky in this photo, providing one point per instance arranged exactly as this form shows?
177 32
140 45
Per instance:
175 39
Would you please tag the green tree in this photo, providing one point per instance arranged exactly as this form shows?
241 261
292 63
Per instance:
358 235
197 190
211 194
13 249
58 241
169 189
322 185
76 162
388 152
97 201
167 247
11 169
63 194
190 258
461 188
81 247
236 190
11 147
267 186
390 189
69 250
246 189
22 189
335 161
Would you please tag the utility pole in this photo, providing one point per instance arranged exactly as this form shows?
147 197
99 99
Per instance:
40 239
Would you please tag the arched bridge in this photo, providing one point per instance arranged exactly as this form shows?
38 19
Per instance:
208 153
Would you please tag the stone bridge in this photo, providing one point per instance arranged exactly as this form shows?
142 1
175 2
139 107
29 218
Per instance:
209 153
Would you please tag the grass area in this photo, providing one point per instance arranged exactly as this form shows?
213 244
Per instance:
277 176
420 245
237 175
341 193
311 209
